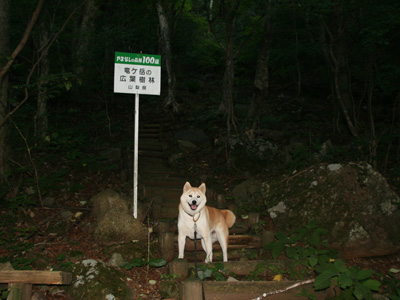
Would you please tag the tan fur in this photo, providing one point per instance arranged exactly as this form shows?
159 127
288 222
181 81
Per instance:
212 224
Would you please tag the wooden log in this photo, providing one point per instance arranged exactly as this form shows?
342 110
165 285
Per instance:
253 219
19 291
235 242
35 277
191 289
266 267
167 246
179 267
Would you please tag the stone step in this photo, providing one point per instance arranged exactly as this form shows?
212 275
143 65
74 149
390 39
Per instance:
149 130
151 154
151 146
149 135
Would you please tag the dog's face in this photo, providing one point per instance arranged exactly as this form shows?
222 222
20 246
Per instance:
193 199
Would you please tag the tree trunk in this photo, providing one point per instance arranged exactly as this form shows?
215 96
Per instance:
229 9
165 42
336 56
4 52
84 38
229 76
41 118
261 79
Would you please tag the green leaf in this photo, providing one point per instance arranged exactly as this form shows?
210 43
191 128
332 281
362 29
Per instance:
345 280
340 266
157 262
137 262
362 292
364 274
313 239
281 237
292 253
270 245
278 249
323 281
219 266
313 260
373 285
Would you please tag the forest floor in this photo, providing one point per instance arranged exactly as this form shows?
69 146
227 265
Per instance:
32 237
36 227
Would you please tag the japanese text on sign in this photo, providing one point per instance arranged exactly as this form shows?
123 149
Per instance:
137 73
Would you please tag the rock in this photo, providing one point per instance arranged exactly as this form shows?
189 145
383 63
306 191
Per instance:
116 260
129 251
117 226
93 279
109 200
247 192
187 146
67 215
6 266
48 202
352 201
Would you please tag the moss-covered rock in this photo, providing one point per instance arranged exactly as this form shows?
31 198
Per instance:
93 279
352 201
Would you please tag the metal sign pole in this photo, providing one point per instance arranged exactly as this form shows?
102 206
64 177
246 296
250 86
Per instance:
137 73
135 159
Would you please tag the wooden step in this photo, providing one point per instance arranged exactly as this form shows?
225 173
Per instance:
239 228
235 242
150 154
148 135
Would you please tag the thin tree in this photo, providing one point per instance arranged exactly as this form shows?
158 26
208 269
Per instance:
4 52
228 11
261 78
165 41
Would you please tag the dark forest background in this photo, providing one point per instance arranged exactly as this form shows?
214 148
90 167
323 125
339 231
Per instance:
296 73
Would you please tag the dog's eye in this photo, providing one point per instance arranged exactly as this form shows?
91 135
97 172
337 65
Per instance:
190 195
198 196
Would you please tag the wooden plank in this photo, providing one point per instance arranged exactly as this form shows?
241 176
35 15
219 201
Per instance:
35 277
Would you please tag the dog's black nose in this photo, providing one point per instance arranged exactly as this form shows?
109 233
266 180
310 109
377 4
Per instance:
194 202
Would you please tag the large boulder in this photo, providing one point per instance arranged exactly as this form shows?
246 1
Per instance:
109 200
352 201
116 226
115 222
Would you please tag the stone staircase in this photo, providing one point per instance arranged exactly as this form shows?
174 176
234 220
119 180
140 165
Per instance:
162 185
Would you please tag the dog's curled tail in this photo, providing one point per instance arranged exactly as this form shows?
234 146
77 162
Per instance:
230 217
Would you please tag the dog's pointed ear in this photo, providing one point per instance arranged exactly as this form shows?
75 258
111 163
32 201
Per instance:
202 188
186 186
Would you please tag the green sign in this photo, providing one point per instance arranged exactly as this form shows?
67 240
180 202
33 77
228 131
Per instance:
137 59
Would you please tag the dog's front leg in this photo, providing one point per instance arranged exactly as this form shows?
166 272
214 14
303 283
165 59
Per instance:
181 244
207 245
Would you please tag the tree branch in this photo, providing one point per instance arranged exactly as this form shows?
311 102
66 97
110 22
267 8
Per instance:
23 40
36 64
285 289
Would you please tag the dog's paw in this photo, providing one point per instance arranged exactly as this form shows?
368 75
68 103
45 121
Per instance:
208 259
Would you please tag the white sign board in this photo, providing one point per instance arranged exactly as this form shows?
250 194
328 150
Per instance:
136 73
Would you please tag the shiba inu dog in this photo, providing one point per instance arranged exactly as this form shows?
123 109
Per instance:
212 224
